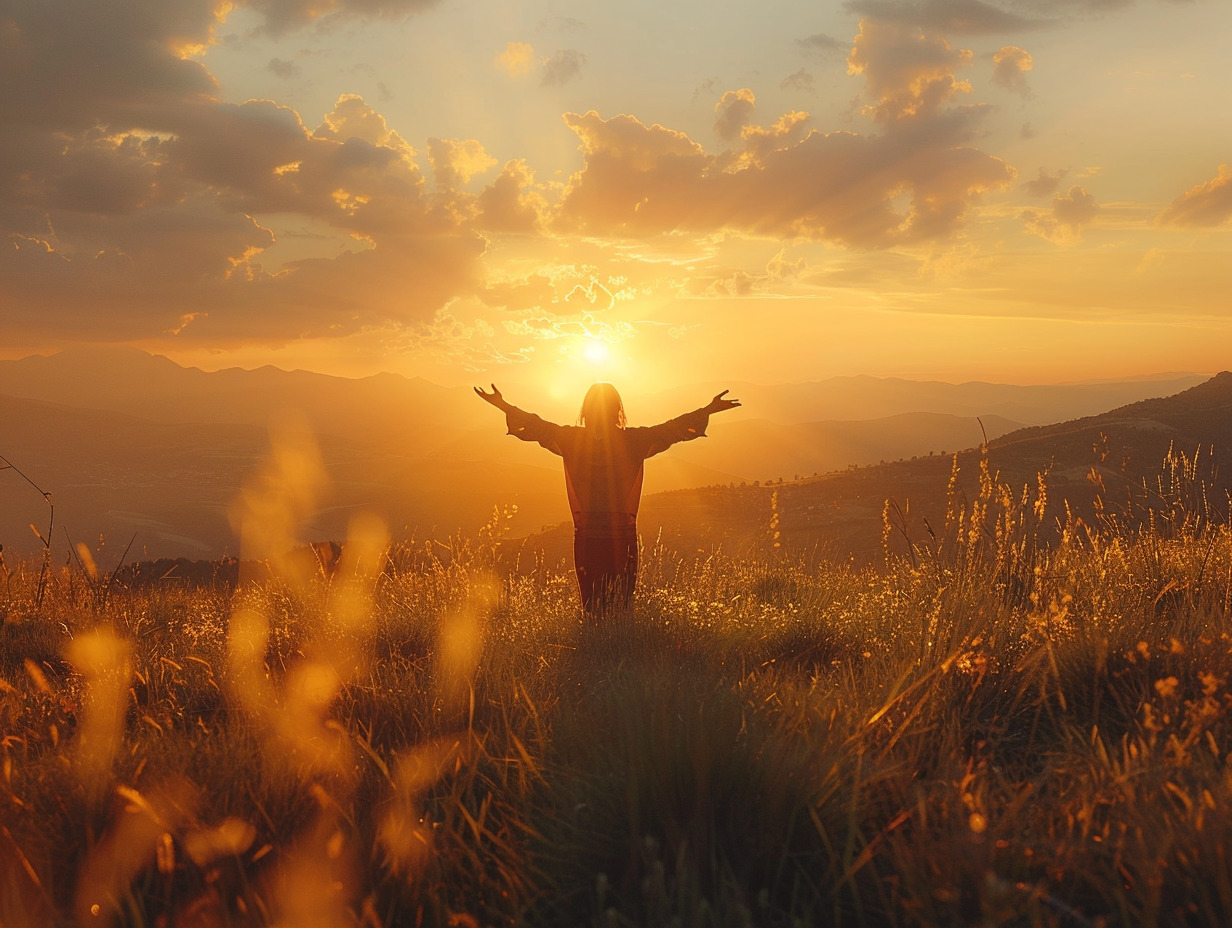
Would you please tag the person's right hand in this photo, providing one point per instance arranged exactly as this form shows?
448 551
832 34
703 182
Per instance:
494 397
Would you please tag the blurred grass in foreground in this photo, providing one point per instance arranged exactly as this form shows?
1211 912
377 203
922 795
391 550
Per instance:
987 730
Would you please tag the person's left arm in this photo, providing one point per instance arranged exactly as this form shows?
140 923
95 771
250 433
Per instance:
687 427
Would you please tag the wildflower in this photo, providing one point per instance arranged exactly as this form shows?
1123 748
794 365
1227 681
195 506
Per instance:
1211 684
1166 686
1149 722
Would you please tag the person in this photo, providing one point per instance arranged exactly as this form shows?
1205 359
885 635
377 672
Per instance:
604 465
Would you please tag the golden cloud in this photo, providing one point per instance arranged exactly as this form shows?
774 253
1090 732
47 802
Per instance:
1071 212
532 291
1044 183
517 59
456 161
133 204
640 180
907 71
1010 65
1203 205
733 112
512 203
352 118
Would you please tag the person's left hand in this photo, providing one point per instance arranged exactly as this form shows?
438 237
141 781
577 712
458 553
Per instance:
718 404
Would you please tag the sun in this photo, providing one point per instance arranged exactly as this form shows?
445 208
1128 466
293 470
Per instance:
596 351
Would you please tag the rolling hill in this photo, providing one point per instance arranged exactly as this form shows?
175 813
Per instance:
842 512
134 446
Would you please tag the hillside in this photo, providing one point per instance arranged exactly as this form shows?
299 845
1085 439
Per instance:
845 399
841 513
134 446
131 381
114 478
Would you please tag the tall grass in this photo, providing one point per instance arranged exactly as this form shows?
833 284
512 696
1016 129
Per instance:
1024 721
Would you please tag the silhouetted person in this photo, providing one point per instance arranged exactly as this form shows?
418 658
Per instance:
604 463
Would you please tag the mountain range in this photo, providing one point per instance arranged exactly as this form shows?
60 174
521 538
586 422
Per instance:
1120 456
133 446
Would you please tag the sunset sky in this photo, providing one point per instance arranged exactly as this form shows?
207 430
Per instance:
550 193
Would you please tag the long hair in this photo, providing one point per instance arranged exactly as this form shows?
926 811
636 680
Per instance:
602 407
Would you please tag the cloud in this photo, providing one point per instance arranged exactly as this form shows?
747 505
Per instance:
823 44
1071 212
733 112
800 80
548 326
512 203
787 130
1044 183
1076 208
459 343
563 23
562 67
203 269
908 72
517 60
741 282
352 118
780 267
530 292
1051 7
1010 66
123 63
957 17
284 69
1203 205
140 204
353 172
911 184
282 16
592 294
456 161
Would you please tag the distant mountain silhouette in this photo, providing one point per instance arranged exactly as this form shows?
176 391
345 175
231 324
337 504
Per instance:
114 477
841 513
859 398
134 382
132 444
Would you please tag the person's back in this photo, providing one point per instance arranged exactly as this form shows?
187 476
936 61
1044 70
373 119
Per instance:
603 471
604 465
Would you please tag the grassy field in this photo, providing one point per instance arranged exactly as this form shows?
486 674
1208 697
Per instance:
988 730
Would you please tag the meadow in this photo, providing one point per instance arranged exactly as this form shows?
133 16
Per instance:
1024 721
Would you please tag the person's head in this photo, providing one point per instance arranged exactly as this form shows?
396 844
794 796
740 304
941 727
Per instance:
602 407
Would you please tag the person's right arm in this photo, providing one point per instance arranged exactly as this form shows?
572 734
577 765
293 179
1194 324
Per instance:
522 424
